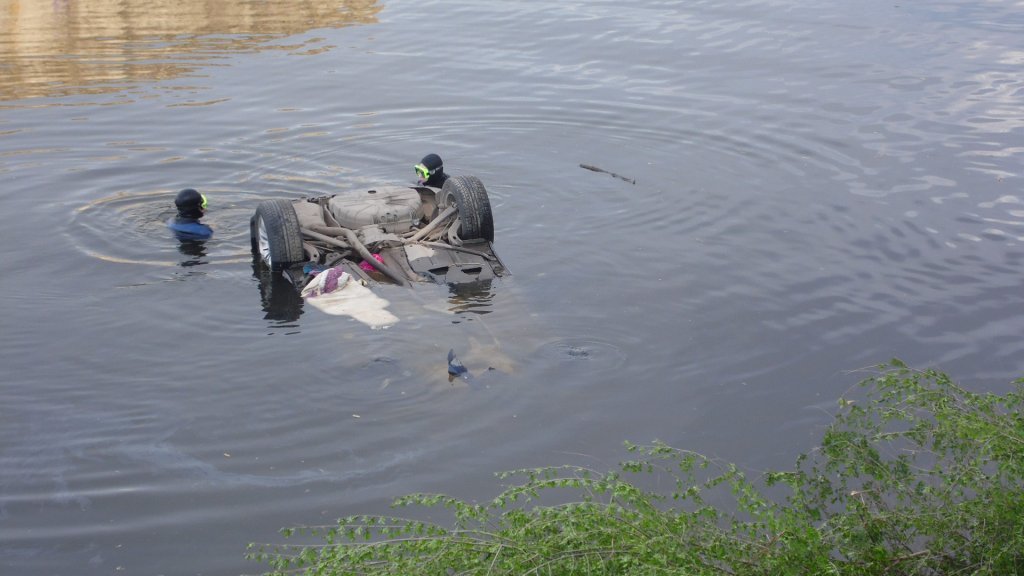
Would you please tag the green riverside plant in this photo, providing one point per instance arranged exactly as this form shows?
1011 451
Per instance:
917 477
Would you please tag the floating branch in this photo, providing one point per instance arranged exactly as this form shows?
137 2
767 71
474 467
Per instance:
593 168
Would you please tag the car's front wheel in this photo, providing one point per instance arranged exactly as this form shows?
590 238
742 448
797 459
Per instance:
467 193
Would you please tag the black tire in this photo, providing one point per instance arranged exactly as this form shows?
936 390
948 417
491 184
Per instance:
274 235
467 193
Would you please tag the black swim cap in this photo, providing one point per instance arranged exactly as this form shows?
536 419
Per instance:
432 162
188 199
190 203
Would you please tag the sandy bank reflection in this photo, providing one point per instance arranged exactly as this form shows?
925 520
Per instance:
62 47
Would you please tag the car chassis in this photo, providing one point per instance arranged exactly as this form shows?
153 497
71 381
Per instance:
387 234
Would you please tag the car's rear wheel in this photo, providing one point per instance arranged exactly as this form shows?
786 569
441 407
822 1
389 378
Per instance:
275 236
467 194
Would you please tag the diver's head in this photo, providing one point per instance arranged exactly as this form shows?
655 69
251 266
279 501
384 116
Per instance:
431 171
191 204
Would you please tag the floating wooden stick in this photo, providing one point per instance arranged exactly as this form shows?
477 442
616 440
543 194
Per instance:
593 168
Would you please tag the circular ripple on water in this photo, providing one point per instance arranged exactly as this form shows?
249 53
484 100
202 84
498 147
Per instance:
131 228
586 354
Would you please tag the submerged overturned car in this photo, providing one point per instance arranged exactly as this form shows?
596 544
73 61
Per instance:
387 234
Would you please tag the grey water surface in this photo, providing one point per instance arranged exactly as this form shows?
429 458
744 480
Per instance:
819 187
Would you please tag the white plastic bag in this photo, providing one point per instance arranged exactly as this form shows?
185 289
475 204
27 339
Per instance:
333 291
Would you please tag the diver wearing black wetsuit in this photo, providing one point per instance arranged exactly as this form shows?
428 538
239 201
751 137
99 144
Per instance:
431 171
186 225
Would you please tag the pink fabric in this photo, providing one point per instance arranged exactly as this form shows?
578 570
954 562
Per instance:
369 267
331 284
325 282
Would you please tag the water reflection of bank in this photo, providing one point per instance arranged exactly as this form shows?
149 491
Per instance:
69 47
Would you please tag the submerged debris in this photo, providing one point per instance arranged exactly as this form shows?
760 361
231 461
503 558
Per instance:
593 168
455 367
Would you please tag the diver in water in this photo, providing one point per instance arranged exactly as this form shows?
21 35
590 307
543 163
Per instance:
431 171
186 225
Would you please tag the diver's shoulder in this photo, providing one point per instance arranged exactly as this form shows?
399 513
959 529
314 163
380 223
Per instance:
193 228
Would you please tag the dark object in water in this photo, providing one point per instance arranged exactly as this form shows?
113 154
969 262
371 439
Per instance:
455 367
593 168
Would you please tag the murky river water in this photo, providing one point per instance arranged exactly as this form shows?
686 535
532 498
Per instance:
818 187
